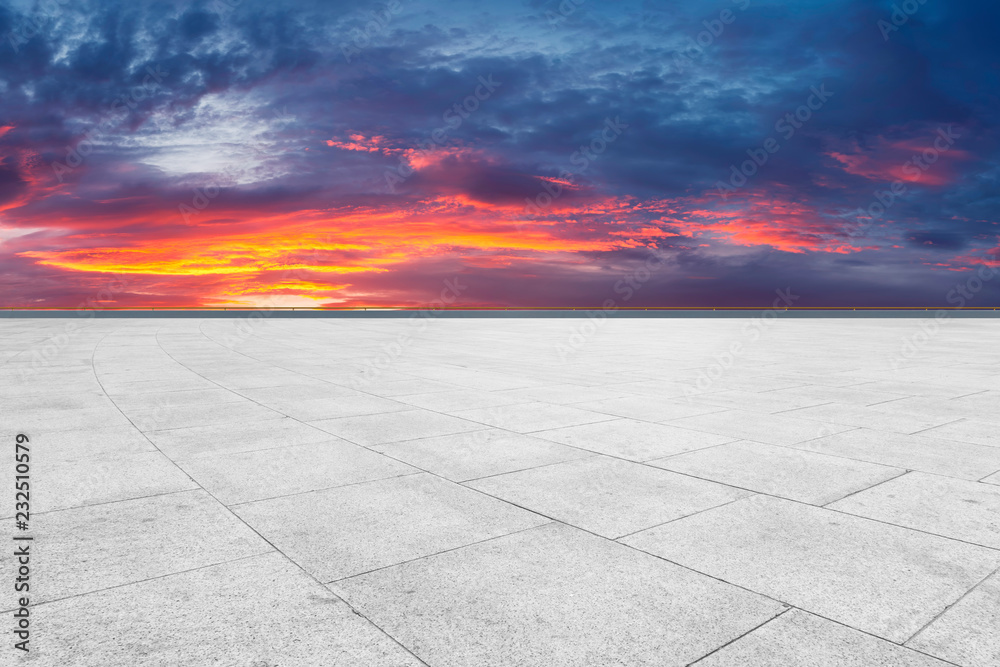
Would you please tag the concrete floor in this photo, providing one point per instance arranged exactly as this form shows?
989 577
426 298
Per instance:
486 492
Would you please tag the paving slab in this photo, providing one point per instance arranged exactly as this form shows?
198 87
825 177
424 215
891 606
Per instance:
800 638
633 440
303 389
528 417
92 548
561 394
800 475
252 612
758 401
648 408
169 415
339 406
131 384
976 431
407 387
607 496
981 403
235 437
851 395
462 399
239 477
41 419
888 558
913 452
98 443
878 578
955 508
133 403
92 481
871 417
766 428
554 596
967 634
465 456
348 530
371 430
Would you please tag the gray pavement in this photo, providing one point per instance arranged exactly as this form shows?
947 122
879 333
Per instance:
270 492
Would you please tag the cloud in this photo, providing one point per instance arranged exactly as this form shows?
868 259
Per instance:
260 161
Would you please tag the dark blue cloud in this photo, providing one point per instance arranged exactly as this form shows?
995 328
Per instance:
245 95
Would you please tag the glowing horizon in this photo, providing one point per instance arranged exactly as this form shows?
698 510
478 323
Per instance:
202 154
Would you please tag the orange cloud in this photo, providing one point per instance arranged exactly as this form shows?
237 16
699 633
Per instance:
765 219
358 142
927 158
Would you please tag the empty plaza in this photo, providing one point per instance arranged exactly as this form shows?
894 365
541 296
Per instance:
261 491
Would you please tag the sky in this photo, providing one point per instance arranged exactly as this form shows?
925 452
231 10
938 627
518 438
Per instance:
531 153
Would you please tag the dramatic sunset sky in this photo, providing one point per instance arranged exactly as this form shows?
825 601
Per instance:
522 153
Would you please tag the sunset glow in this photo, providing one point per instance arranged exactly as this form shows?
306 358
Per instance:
224 155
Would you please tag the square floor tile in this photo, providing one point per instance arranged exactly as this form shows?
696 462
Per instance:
466 456
348 530
878 578
97 443
237 437
780 471
967 633
633 440
607 496
41 419
648 408
856 415
561 394
465 399
914 452
250 612
91 548
797 638
769 429
132 403
554 596
370 430
528 417
170 416
956 508
854 395
968 430
341 406
238 477
57 485
757 401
